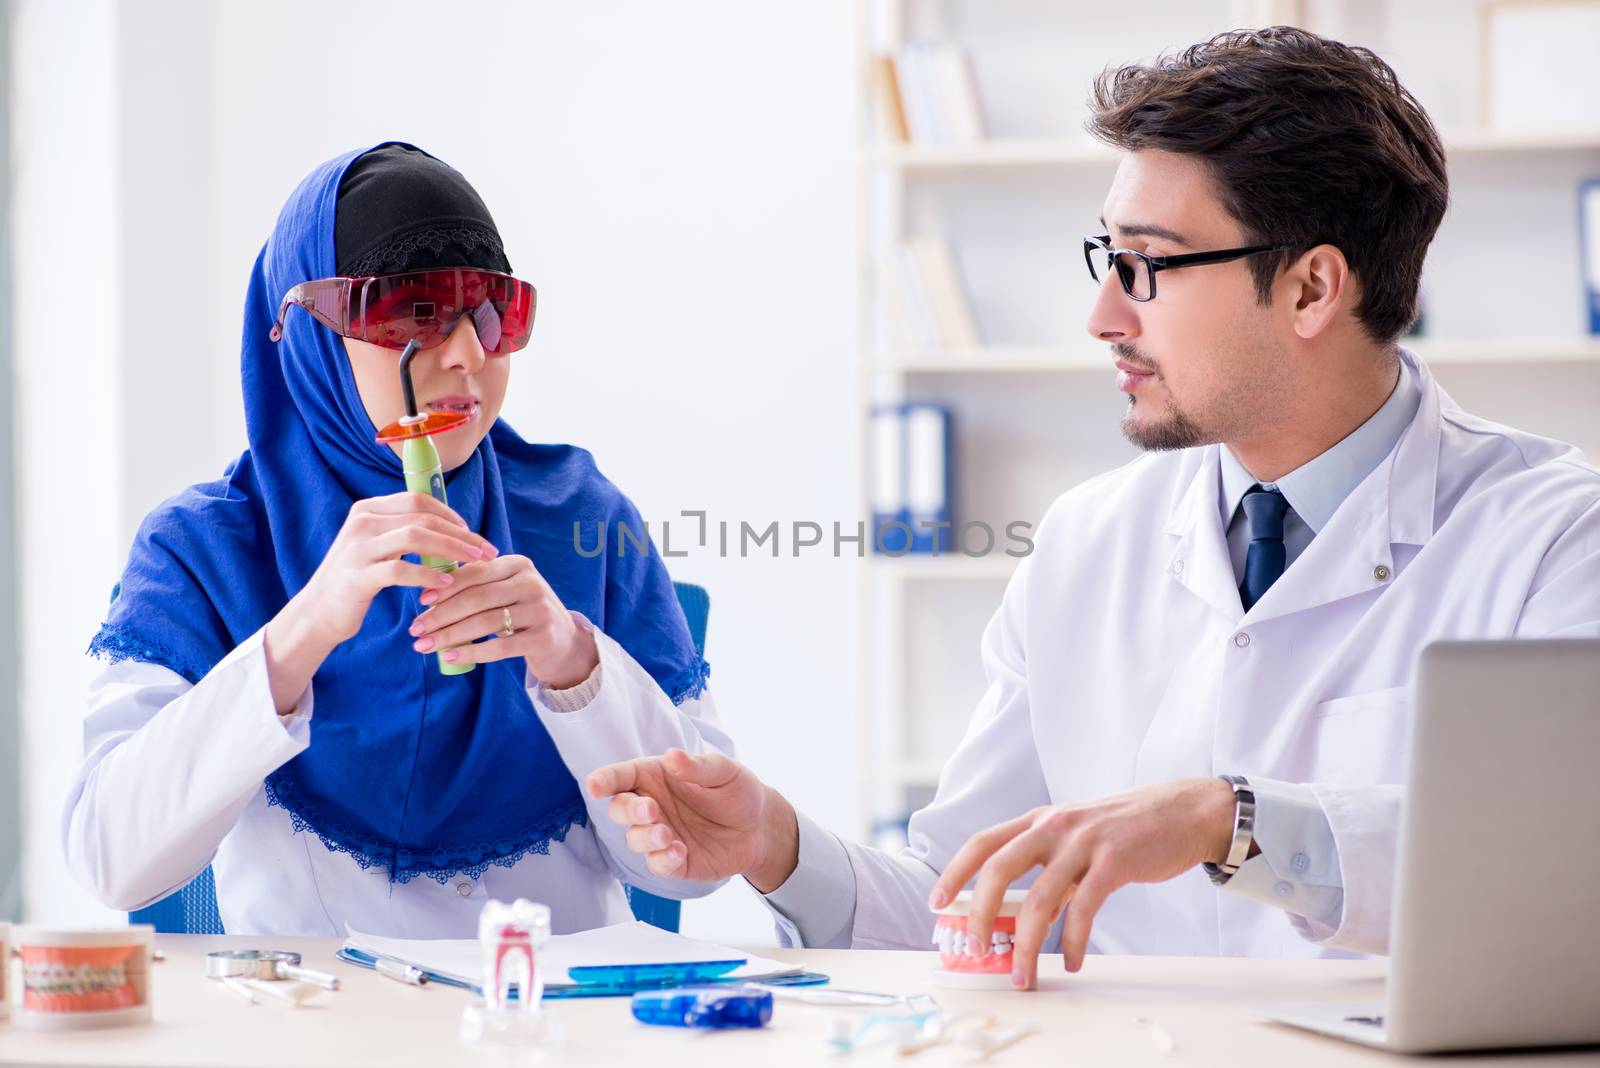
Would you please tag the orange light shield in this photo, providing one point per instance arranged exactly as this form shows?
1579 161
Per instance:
430 424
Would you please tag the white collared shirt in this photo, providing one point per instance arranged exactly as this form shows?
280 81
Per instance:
1317 487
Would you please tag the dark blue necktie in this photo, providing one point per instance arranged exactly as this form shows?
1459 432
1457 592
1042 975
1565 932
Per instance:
1265 560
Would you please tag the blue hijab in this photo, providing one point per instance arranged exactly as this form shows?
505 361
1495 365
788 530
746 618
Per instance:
408 769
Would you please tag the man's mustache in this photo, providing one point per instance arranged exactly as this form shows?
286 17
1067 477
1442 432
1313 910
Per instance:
1135 357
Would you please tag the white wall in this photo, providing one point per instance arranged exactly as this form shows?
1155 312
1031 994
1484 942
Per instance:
676 180
67 252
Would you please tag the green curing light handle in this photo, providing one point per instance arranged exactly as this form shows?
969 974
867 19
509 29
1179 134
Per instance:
419 458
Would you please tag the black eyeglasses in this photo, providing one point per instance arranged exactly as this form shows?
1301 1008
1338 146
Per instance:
1137 271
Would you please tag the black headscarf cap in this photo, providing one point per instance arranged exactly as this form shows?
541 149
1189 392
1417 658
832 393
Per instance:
399 209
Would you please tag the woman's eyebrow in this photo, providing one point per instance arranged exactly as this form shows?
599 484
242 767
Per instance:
1147 230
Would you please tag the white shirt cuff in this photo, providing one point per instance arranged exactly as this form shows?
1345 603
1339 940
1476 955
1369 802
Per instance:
1297 869
296 722
819 898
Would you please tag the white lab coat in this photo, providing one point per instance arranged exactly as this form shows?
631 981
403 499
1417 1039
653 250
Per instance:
1121 656
172 780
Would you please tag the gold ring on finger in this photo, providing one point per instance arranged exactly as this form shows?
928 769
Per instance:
508 630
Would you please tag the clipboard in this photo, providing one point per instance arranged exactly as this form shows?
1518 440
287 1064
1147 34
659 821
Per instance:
612 980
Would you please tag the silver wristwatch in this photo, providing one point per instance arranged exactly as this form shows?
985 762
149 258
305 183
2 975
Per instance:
1244 825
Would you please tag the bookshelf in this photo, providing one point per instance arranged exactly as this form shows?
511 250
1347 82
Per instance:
1032 402
1044 152
1088 360
954 566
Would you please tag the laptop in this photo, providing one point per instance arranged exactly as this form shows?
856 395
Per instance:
1495 932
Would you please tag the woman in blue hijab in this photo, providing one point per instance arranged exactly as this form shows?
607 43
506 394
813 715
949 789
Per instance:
405 797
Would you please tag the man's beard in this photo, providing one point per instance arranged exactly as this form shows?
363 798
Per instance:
1171 430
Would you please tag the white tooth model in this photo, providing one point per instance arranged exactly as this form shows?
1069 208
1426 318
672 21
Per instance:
510 938
950 940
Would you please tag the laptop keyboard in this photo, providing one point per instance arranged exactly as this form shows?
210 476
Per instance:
1370 1021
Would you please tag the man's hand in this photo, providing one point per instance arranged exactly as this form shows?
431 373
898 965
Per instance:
1146 835
701 818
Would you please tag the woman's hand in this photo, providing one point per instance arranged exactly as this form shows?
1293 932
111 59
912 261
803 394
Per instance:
496 596
364 558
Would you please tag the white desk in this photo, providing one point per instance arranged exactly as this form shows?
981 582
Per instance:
1087 1019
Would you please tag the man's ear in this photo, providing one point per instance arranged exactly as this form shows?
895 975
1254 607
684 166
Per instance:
1319 285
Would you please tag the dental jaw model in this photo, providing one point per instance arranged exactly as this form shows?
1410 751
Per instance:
510 938
419 458
962 964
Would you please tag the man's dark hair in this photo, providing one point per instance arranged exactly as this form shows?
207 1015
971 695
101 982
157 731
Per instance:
1310 141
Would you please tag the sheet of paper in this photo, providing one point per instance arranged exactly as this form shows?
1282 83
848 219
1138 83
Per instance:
621 943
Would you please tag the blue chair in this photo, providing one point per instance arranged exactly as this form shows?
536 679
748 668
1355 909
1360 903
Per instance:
192 909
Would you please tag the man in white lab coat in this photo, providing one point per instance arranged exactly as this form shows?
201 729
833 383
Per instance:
1247 599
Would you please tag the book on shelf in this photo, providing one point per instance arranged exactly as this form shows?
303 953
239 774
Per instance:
1589 249
927 477
911 478
925 301
907 321
956 95
889 111
888 502
927 94
952 311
